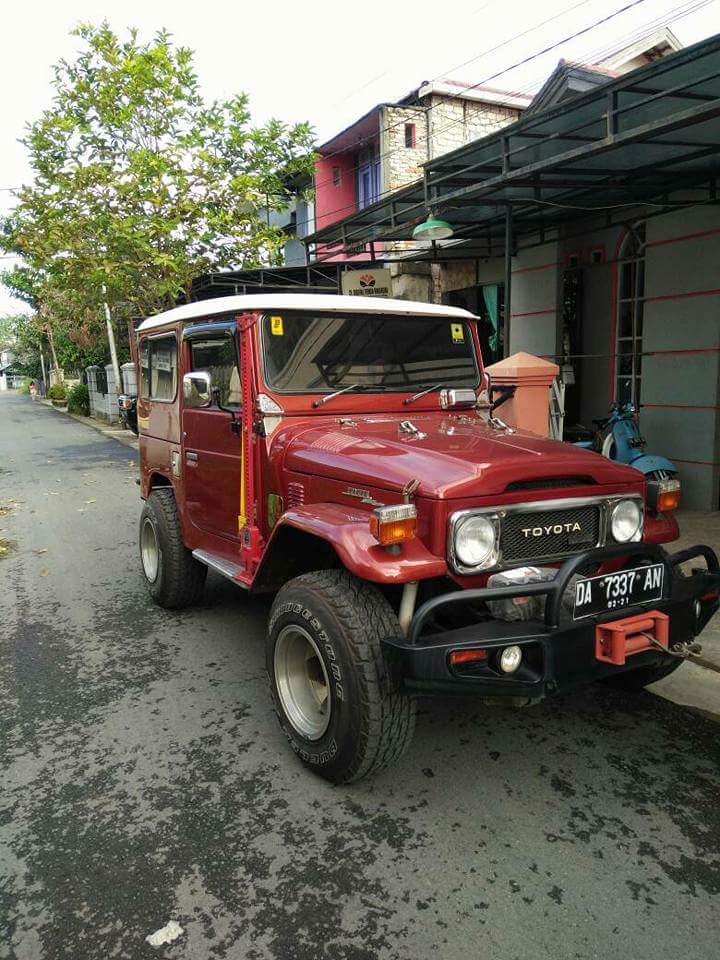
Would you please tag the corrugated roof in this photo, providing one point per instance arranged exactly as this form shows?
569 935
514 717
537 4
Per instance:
632 140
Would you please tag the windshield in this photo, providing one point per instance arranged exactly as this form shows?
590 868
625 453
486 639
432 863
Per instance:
320 353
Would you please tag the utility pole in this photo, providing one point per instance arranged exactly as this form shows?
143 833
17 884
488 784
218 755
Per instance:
51 338
42 365
111 341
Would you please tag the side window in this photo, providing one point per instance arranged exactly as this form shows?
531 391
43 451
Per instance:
158 368
217 356
145 369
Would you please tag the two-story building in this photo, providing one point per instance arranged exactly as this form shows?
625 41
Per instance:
386 148
586 231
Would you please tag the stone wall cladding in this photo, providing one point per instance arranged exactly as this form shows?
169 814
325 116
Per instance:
401 165
454 122
442 124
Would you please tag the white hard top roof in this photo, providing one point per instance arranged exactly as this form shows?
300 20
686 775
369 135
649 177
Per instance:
301 301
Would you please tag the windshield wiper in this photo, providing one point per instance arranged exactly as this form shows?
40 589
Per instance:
331 396
423 393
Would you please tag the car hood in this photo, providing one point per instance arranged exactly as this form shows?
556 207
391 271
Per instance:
452 455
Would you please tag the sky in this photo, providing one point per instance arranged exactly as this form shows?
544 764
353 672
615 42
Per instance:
325 62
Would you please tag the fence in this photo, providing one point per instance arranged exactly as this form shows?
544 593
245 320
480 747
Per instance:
103 393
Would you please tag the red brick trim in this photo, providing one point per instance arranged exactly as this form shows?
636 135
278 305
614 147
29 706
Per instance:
682 296
542 266
687 236
535 313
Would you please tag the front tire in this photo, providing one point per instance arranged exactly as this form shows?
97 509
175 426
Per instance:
334 699
173 576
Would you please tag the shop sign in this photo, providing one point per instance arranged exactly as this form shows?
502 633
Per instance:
367 283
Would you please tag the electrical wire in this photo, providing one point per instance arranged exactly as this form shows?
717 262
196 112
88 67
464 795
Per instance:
474 86
671 15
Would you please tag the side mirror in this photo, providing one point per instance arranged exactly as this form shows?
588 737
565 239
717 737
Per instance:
197 389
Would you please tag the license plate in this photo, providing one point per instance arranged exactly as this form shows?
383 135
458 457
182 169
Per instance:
615 591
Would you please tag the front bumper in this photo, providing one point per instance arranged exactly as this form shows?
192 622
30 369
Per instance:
559 653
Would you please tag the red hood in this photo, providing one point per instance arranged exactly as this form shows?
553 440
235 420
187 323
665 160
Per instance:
454 455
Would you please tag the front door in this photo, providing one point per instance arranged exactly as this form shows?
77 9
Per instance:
211 450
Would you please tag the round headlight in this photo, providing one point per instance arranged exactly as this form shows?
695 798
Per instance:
626 521
475 541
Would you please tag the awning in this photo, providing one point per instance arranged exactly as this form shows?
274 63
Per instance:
650 137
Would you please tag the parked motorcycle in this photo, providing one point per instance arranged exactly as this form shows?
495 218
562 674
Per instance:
618 438
127 407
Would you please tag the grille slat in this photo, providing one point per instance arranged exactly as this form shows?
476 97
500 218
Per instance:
516 544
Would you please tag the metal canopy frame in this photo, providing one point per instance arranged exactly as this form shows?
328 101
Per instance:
313 278
651 137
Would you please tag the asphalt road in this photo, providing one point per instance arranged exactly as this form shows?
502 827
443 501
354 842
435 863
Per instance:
145 778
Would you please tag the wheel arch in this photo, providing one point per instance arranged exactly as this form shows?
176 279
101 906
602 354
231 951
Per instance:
154 480
290 553
327 536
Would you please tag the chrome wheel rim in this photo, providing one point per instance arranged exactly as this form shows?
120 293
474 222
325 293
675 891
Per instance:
149 550
302 682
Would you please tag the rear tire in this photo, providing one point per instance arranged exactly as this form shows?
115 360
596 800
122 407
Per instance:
173 576
334 698
635 680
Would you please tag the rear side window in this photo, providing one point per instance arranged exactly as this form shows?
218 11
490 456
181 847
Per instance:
158 368
217 356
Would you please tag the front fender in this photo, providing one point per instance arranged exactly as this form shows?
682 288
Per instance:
647 463
348 533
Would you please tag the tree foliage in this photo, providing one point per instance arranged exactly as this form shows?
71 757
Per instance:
22 335
140 185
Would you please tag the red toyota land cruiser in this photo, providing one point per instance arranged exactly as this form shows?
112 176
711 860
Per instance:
346 454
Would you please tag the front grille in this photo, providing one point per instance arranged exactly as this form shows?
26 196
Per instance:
535 536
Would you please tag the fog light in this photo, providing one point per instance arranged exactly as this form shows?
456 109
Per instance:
510 659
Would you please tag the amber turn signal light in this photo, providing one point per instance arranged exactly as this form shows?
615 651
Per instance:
394 524
664 495
670 500
458 657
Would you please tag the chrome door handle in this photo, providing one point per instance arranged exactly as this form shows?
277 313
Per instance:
191 457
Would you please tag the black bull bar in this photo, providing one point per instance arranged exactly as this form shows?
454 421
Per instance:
559 653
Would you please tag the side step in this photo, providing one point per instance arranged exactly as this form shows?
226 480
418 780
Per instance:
227 568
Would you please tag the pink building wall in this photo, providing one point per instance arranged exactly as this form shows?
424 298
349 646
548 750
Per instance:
334 201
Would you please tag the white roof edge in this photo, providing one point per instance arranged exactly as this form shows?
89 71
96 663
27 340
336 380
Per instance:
643 43
483 95
300 301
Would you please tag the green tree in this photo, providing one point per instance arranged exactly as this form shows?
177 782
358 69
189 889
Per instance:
140 185
23 335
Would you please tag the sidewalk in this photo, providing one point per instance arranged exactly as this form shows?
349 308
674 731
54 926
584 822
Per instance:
697 684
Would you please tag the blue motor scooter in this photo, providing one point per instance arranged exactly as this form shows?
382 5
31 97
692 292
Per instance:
618 437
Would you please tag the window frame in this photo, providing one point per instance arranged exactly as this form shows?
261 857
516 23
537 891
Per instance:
149 340
410 134
219 333
631 257
467 324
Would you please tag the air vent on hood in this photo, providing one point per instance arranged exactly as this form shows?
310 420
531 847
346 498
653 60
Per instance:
545 483
295 494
